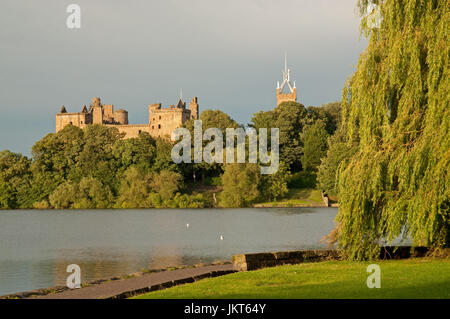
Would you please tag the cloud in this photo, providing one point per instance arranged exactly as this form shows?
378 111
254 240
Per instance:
137 52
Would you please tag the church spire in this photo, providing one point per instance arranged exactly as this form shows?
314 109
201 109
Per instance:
285 64
286 77
292 94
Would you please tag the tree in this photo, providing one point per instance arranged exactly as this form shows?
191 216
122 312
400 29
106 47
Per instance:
64 196
213 119
72 154
329 113
210 119
240 185
15 180
166 184
91 193
339 153
134 190
397 105
314 138
55 159
289 118
96 158
275 186
140 151
163 158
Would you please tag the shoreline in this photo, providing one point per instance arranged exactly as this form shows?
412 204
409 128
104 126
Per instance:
39 292
157 279
152 208
294 206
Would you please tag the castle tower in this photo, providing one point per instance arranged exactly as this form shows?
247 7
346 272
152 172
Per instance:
286 96
121 117
97 111
193 106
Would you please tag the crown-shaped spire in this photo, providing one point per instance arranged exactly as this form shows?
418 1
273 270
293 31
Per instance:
286 77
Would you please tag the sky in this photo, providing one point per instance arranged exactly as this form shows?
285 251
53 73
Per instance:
230 54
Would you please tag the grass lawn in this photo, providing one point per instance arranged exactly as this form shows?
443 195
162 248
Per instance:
297 197
408 278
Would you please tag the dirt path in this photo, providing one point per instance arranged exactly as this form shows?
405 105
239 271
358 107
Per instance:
134 286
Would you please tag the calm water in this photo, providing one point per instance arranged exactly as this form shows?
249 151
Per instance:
37 246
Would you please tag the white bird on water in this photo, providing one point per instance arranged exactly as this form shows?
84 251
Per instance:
187 225
221 237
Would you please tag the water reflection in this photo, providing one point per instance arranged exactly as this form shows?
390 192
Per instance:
37 246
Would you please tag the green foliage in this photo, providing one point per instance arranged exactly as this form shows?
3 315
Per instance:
329 113
314 138
213 181
166 184
275 186
134 190
191 201
240 185
72 154
210 119
397 105
303 179
55 160
338 155
91 193
163 159
44 204
15 180
290 118
63 196
140 152
96 158
213 119
91 168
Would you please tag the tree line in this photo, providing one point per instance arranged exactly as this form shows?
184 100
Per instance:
95 167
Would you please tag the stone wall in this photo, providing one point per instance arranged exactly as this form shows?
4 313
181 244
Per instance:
77 119
246 262
132 130
163 121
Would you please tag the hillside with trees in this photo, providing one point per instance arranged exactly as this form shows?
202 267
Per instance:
95 167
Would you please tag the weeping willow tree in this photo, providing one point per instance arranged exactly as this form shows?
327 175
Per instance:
396 105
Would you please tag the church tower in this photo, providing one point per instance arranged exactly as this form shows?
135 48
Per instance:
286 91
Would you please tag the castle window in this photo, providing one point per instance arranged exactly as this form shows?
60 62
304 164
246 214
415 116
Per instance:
139 132
81 122
159 126
153 127
159 117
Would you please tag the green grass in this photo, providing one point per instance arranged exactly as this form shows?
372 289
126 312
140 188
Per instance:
410 278
297 197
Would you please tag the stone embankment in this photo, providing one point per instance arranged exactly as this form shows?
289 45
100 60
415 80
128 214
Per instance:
246 262
152 280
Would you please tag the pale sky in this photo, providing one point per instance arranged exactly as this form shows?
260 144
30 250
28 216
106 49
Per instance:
132 53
